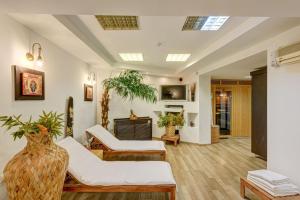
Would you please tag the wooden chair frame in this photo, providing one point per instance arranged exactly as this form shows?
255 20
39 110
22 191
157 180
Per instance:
73 185
107 152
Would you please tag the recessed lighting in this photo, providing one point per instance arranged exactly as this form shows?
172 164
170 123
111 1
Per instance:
132 56
204 23
214 23
177 57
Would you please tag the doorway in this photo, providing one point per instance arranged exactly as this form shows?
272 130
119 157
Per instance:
231 107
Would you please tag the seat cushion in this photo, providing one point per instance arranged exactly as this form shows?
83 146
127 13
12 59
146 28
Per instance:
124 145
91 170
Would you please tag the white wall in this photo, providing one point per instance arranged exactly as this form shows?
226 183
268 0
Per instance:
64 77
283 112
205 109
120 108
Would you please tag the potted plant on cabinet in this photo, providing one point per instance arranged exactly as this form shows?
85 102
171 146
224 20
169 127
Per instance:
170 122
39 170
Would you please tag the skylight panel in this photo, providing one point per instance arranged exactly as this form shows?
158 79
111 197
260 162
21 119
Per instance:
214 23
177 57
204 23
132 56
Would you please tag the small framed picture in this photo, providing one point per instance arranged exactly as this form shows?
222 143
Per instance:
88 92
29 84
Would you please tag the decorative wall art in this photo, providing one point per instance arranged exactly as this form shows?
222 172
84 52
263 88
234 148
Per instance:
193 91
88 92
70 118
29 84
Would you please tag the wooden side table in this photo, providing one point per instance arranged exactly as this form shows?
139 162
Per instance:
175 139
215 134
260 192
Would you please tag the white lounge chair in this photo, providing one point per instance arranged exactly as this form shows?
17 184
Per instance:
113 146
92 174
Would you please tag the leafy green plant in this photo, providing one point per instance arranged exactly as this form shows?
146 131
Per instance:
179 120
129 85
52 121
166 120
171 120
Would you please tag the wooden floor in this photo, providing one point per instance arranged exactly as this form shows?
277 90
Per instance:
209 172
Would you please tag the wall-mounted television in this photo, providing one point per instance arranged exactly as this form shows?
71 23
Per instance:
173 92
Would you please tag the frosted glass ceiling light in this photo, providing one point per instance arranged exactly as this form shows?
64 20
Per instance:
177 57
132 56
214 23
204 23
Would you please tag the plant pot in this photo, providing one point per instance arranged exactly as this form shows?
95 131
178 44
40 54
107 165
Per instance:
170 130
38 171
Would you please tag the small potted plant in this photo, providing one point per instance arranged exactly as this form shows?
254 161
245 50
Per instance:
32 173
170 122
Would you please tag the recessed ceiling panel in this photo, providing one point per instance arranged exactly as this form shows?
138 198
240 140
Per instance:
132 56
177 57
114 22
204 23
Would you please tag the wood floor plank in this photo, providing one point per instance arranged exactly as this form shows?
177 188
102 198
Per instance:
202 172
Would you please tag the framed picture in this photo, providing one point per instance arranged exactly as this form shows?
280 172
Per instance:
88 92
29 84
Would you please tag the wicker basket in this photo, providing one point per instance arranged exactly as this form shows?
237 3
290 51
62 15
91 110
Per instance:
170 130
38 171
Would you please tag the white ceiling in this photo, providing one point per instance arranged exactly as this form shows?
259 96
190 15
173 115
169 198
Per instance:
268 29
53 30
154 30
160 22
270 8
242 68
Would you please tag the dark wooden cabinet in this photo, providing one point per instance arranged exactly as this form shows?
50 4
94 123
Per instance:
259 113
139 129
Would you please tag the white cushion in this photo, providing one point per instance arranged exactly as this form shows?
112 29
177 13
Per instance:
124 145
90 170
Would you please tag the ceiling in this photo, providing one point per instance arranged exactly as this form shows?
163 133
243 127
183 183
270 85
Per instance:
76 30
253 8
158 36
242 68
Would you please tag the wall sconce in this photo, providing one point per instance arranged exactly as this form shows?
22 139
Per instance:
30 55
92 78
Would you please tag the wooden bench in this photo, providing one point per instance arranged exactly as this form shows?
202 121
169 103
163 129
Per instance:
263 195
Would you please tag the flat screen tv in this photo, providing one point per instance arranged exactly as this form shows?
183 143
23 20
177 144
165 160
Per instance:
173 92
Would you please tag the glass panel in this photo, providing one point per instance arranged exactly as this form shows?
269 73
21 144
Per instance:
223 111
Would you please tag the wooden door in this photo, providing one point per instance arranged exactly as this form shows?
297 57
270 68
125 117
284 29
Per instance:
259 113
241 126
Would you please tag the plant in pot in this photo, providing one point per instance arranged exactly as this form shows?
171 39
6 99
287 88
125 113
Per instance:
170 121
179 121
39 170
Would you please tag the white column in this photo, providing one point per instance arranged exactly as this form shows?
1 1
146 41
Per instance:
204 109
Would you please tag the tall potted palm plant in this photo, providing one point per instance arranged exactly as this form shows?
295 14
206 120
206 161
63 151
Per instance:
129 85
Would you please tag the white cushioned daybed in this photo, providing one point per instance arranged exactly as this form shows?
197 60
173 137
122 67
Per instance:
113 146
92 174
